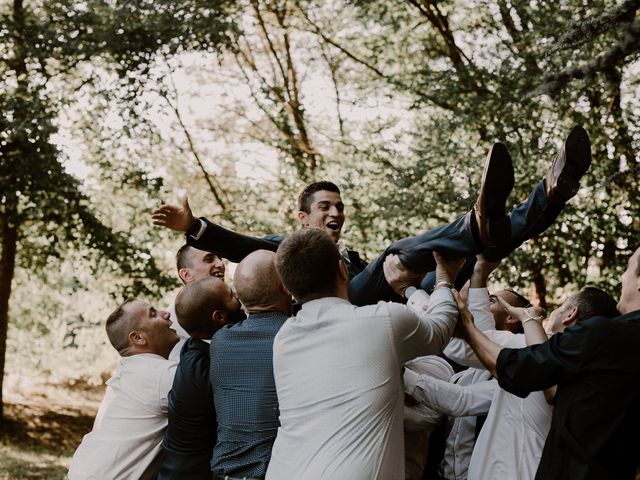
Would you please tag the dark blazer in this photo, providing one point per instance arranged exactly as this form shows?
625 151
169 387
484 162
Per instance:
235 246
191 431
596 419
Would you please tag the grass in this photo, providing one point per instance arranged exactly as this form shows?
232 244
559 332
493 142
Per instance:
41 429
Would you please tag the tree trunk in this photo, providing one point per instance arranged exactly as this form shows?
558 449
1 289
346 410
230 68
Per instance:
9 234
540 286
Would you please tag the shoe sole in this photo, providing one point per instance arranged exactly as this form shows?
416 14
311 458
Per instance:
577 149
497 178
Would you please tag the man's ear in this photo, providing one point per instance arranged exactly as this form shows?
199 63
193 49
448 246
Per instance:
571 317
136 337
219 318
185 275
511 320
303 218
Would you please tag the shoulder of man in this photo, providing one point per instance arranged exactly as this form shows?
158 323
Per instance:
356 260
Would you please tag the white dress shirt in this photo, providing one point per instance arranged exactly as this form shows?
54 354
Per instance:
182 333
127 434
337 372
421 419
511 440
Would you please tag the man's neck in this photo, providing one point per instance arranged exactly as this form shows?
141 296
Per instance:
266 309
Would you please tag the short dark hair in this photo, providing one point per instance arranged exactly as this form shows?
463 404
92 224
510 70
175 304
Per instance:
593 302
305 198
307 262
195 305
520 300
117 331
182 257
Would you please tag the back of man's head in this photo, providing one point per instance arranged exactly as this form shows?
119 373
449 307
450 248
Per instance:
204 306
308 262
258 285
593 302
118 326
305 199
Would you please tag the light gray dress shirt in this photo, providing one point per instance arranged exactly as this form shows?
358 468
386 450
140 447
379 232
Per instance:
337 369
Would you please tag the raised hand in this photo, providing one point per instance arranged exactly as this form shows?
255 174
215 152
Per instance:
523 314
466 317
481 271
178 218
398 276
447 270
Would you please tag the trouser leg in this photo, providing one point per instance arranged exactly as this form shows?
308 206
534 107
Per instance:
528 220
454 240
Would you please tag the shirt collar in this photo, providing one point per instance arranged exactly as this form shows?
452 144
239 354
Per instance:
344 251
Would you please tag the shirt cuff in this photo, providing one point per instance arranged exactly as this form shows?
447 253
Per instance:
478 296
203 227
418 301
410 380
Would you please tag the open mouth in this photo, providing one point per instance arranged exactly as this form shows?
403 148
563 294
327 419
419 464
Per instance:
333 225
218 274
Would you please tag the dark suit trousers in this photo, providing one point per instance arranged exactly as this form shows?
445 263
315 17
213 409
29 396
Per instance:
454 240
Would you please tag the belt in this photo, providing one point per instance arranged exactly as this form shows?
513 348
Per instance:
215 476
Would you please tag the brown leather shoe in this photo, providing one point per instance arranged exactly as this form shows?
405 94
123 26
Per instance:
571 163
494 229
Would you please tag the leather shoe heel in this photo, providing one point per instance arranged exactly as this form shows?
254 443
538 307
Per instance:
571 163
494 229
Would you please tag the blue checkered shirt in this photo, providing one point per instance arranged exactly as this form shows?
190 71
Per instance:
244 393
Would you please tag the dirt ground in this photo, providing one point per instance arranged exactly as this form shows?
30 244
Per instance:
42 428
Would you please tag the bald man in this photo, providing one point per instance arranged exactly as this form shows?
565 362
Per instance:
203 307
242 379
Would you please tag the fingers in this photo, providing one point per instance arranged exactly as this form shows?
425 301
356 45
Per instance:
185 202
459 301
164 210
509 308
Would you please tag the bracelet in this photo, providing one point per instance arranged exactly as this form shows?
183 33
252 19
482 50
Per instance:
537 319
444 283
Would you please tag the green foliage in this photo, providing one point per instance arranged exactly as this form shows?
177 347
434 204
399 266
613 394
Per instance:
397 101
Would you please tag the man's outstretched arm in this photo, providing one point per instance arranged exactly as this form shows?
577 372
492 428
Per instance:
205 235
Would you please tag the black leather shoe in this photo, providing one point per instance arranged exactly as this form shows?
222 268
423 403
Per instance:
494 229
571 163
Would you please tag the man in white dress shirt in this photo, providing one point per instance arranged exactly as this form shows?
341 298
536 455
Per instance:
126 439
337 367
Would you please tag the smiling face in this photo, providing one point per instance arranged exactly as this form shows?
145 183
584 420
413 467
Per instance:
326 212
199 264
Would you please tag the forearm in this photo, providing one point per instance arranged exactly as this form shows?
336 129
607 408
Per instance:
448 398
534 332
486 350
229 244
423 331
